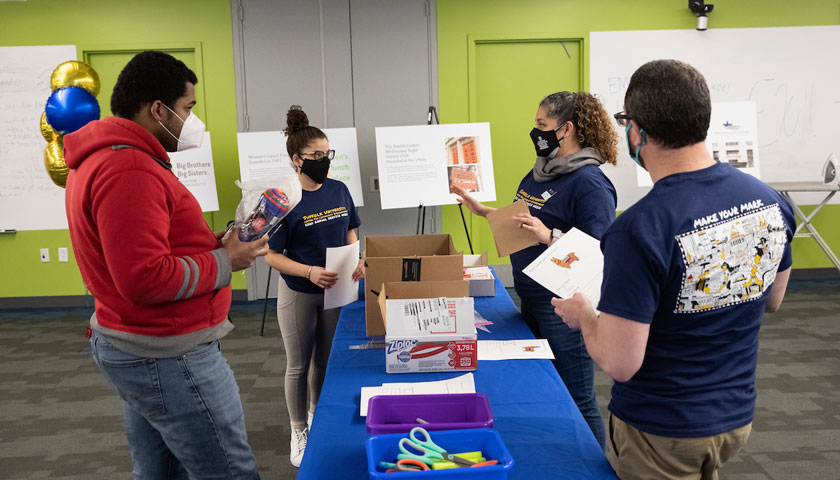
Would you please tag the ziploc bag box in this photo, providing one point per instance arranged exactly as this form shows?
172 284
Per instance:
480 276
413 258
427 332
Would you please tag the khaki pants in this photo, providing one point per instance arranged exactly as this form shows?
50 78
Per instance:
634 454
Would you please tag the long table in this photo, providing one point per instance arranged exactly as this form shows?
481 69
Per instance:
536 417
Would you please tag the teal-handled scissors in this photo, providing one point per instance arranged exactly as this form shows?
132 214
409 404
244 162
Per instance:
430 453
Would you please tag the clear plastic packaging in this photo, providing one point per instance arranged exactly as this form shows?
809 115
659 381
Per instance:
265 202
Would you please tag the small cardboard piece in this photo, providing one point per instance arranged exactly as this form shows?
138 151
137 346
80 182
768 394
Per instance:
451 351
510 238
480 287
413 258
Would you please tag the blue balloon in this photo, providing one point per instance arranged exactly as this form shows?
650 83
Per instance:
69 109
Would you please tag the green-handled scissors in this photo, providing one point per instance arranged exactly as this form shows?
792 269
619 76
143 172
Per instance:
430 453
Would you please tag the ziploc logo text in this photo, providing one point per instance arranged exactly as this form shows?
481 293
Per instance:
397 345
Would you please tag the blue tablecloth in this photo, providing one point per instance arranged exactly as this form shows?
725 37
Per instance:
533 412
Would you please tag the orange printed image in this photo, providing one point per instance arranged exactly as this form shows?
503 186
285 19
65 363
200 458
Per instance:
566 262
462 159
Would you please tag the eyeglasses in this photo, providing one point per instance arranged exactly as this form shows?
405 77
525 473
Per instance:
622 118
319 155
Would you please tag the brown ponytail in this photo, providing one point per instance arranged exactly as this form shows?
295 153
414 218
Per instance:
299 134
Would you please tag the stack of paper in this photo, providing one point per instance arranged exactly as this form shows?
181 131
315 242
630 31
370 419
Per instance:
463 384
478 273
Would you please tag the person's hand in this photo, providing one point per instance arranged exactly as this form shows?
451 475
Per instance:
242 254
219 236
535 226
573 309
468 201
359 272
322 277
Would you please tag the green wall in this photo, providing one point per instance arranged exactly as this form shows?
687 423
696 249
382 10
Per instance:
460 21
107 25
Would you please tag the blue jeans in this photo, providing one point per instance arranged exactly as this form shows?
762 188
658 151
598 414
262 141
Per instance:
183 416
571 359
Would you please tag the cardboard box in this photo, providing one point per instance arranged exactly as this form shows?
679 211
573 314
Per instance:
425 332
480 276
415 258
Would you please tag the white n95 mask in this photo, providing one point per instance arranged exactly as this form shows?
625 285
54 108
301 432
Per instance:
192 133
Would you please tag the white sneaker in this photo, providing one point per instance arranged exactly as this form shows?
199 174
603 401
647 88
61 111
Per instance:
309 417
298 445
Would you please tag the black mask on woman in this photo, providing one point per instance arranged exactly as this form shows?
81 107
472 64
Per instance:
545 141
316 169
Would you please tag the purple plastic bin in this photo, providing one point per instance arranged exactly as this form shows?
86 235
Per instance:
454 411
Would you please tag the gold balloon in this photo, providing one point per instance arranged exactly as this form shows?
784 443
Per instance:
47 130
75 74
54 161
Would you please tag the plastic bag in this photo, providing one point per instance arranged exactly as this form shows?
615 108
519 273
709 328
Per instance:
264 203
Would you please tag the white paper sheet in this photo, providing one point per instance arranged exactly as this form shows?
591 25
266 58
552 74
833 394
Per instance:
514 349
344 261
574 263
462 384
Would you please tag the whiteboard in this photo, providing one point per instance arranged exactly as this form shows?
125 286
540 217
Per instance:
791 73
29 200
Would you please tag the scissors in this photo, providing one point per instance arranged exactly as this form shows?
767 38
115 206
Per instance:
404 465
431 453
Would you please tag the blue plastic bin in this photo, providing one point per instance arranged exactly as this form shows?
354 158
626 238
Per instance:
383 448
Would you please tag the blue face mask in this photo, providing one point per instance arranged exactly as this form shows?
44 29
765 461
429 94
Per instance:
636 158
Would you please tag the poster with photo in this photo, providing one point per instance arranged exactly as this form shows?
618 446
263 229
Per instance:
733 136
263 154
194 168
419 164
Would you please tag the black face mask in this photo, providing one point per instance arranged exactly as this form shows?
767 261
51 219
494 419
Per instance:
545 141
316 169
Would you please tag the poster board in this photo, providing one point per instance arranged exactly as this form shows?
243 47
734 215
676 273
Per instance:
263 154
789 72
417 164
194 168
29 200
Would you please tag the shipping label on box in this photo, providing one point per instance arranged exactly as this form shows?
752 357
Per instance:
430 335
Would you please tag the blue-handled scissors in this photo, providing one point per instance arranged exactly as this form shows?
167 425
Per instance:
430 453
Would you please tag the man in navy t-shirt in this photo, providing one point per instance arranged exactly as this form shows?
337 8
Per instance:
689 271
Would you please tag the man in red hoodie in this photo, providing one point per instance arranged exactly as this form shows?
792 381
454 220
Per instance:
160 276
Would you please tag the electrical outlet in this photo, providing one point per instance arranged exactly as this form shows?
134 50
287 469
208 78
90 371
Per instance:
374 184
62 255
45 255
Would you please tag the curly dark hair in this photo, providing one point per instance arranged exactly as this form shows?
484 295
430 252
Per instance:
298 131
590 118
670 100
150 76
